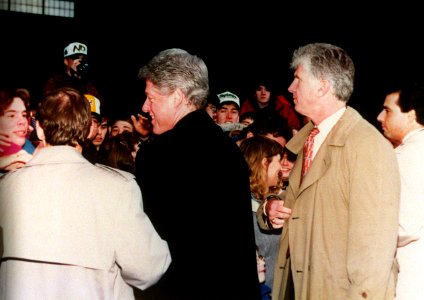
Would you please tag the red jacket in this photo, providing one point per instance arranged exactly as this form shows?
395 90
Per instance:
281 105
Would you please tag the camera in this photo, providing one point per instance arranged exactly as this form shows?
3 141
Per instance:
82 68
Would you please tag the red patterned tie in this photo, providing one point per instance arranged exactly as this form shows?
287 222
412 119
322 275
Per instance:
307 151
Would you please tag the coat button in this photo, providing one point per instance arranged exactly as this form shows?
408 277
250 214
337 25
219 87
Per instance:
364 295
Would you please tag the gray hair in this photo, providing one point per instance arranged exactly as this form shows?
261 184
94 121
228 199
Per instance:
326 61
176 68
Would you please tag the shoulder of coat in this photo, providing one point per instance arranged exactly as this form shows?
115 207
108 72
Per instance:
117 172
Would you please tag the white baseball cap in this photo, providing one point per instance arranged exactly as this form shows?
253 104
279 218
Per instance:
228 97
75 48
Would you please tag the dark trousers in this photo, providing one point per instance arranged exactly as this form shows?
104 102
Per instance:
289 294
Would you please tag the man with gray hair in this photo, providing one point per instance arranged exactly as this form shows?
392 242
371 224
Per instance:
195 185
340 215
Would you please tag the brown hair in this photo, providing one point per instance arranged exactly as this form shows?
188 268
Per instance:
7 95
65 116
255 149
117 151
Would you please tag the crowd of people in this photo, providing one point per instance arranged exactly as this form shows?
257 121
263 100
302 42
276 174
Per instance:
287 199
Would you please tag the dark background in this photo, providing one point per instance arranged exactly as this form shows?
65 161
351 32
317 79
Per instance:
237 44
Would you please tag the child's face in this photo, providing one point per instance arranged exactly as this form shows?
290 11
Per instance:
260 261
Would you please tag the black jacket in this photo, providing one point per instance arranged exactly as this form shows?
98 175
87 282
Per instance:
195 186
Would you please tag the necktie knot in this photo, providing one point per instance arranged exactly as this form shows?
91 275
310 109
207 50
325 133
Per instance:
313 132
308 151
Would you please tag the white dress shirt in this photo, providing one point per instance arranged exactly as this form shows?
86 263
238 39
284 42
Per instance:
324 128
410 253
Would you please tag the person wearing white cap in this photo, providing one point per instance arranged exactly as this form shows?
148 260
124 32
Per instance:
75 75
228 108
228 114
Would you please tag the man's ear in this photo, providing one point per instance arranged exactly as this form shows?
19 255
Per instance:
249 134
40 132
179 97
324 87
66 61
412 115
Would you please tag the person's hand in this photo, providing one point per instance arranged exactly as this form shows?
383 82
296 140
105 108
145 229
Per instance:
276 212
30 129
14 161
142 125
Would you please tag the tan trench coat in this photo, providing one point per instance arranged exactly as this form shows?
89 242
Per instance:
344 223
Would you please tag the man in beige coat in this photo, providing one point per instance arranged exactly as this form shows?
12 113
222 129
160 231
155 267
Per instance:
69 229
340 223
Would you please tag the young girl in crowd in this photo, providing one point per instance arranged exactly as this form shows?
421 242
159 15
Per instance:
263 156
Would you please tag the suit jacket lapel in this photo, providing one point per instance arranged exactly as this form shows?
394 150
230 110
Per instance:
322 161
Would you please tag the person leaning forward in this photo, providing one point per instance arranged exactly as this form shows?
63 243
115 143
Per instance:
70 229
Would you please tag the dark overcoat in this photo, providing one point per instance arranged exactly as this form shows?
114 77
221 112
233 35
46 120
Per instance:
195 187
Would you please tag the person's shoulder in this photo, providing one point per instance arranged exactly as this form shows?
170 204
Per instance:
281 100
413 145
363 129
59 77
6 176
352 123
115 173
54 82
360 135
416 137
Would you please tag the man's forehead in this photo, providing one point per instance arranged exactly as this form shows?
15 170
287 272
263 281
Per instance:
230 105
391 99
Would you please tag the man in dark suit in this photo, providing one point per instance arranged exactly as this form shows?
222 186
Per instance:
195 186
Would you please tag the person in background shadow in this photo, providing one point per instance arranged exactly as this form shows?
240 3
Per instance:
195 186
77 75
92 151
70 229
119 151
266 102
76 72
